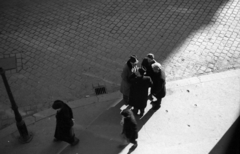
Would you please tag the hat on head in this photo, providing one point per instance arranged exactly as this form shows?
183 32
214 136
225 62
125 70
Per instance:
133 59
150 55
156 66
57 104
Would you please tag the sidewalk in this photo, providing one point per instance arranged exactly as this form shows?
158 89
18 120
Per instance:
195 115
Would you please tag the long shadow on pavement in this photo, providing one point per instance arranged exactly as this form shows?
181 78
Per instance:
141 122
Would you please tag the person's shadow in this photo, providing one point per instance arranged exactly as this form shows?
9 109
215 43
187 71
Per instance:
103 136
141 121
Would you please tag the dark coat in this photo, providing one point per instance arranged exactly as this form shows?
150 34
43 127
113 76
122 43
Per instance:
64 125
130 129
148 67
159 84
139 92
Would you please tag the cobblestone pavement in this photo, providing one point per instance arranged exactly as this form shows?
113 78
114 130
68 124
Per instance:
63 49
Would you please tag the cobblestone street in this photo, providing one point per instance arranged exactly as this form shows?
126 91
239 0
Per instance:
64 49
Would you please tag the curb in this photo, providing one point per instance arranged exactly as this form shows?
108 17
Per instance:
50 112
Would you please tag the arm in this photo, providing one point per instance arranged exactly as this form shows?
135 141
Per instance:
127 75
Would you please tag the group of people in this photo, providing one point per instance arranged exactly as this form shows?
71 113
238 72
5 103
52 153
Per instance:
139 84
137 81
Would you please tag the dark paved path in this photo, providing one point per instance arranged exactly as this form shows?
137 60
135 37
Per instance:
65 48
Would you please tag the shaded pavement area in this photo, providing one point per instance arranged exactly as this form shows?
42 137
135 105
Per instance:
195 117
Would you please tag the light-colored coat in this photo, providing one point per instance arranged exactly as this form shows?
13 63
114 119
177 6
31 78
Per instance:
126 77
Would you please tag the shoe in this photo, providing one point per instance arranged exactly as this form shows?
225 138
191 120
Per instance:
141 114
121 146
76 141
156 107
129 107
56 140
153 102
150 97
135 111
135 145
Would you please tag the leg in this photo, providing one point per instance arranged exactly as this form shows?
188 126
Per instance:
124 139
125 99
150 95
157 103
134 142
135 110
74 140
58 133
141 112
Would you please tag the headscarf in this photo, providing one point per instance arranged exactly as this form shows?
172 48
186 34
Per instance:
57 104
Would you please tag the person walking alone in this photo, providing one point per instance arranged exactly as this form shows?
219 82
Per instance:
129 131
64 117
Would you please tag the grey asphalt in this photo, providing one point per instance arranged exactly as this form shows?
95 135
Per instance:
195 115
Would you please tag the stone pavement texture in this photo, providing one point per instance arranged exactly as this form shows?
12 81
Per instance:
195 115
64 49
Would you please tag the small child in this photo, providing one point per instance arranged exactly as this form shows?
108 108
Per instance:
129 132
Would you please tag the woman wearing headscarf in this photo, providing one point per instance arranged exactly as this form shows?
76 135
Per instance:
64 117
127 74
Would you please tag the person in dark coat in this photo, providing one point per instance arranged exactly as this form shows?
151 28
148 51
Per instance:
139 91
129 124
64 117
127 74
147 65
159 85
